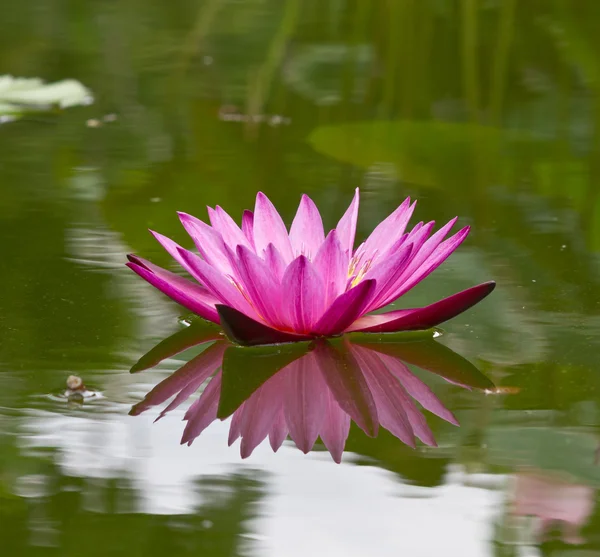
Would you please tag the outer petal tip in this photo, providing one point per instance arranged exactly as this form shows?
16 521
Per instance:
134 259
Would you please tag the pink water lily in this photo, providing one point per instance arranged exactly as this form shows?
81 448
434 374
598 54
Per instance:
265 285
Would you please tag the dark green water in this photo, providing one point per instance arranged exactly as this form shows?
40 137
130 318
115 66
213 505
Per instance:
489 110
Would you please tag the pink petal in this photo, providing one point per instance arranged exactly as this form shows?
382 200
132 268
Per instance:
260 412
346 227
348 385
191 296
214 360
246 331
235 427
346 309
279 431
419 234
417 237
389 230
386 272
218 284
417 421
248 227
306 233
194 372
172 248
274 262
417 389
426 317
269 228
302 295
304 402
390 398
230 232
335 427
441 253
260 286
411 278
203 412
209 243
331 262
428 247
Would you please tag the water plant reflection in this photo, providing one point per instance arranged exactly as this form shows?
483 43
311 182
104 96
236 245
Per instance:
307 390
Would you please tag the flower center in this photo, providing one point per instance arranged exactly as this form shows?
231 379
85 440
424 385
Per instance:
358 269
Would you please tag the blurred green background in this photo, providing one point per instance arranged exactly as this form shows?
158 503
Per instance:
485 109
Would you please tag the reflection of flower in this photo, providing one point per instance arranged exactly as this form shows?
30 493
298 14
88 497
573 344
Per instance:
553 500
265 285
316 394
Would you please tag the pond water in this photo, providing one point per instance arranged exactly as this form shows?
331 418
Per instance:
485 109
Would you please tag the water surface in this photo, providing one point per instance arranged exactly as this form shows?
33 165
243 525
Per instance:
485 110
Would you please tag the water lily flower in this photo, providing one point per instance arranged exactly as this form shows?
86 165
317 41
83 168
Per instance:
265 285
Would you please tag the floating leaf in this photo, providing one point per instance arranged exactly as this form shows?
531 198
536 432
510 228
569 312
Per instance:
19 95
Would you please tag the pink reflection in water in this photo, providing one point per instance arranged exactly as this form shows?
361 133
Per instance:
316 395
554 502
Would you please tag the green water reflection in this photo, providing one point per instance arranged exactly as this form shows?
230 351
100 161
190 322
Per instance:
489 110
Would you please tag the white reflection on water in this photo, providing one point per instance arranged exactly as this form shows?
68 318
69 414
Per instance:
311 504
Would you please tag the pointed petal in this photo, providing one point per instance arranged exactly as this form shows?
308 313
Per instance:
214 360
230 232
209 243
260 412
306 233
304 402
426 317
346 227
331 262
191 296
428 247
260 286
235 427
348 385
423 265
269 228
417 237
346 308
390 397
389 230
172 248
417 389
419 234
302 303
246 331
194 372
279 432
386 272
335 427
441 253
203 412
248 227
274 262
217 283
